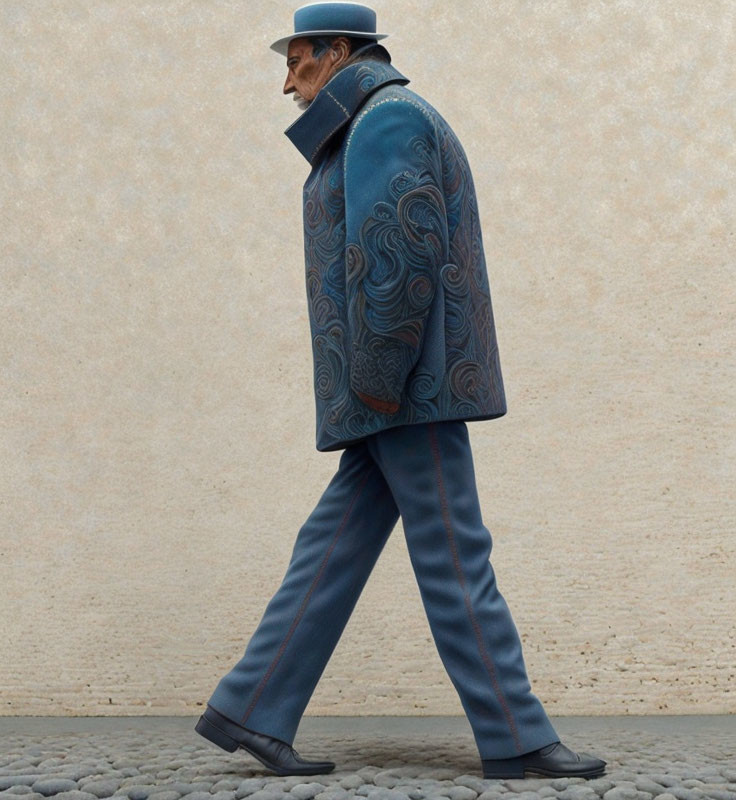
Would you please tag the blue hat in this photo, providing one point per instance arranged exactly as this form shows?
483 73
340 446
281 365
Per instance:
333 19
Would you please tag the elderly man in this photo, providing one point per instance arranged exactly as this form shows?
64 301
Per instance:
405 353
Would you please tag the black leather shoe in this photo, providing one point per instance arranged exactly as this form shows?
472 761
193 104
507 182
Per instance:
553 761
272 753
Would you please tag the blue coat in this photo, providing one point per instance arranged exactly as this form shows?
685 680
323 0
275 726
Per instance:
399 302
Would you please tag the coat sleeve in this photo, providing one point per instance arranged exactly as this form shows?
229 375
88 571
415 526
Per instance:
396 241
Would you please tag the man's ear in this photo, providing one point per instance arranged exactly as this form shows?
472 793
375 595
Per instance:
339 50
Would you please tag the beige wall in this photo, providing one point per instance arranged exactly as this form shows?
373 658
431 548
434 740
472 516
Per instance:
157 412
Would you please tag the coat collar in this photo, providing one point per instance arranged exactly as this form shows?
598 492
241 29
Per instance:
337 102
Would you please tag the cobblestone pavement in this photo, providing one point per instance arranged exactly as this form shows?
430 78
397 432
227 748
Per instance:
379 758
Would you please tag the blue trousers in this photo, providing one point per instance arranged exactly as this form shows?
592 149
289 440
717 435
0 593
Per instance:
423 472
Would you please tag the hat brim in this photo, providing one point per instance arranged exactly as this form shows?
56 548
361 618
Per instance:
281 46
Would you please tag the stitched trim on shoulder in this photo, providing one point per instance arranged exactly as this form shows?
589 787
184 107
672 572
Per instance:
427 113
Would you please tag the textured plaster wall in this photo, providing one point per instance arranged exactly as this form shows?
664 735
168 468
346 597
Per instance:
156 409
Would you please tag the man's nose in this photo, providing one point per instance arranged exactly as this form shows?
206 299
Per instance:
288 86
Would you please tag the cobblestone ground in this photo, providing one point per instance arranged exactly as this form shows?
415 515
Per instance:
154 761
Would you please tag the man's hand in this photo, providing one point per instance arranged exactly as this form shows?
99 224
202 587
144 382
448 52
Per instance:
378 405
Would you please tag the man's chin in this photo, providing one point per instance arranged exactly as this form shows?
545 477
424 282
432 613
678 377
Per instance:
303 105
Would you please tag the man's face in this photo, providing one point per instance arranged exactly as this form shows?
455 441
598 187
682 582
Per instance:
306 74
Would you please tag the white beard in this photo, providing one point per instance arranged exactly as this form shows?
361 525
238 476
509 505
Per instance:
301 103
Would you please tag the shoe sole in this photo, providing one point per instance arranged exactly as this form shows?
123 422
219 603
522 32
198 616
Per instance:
512 772
217 736
591 773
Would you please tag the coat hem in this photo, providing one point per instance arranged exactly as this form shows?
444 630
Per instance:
341 444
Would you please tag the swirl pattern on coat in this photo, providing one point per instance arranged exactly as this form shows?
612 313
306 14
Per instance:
374 302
